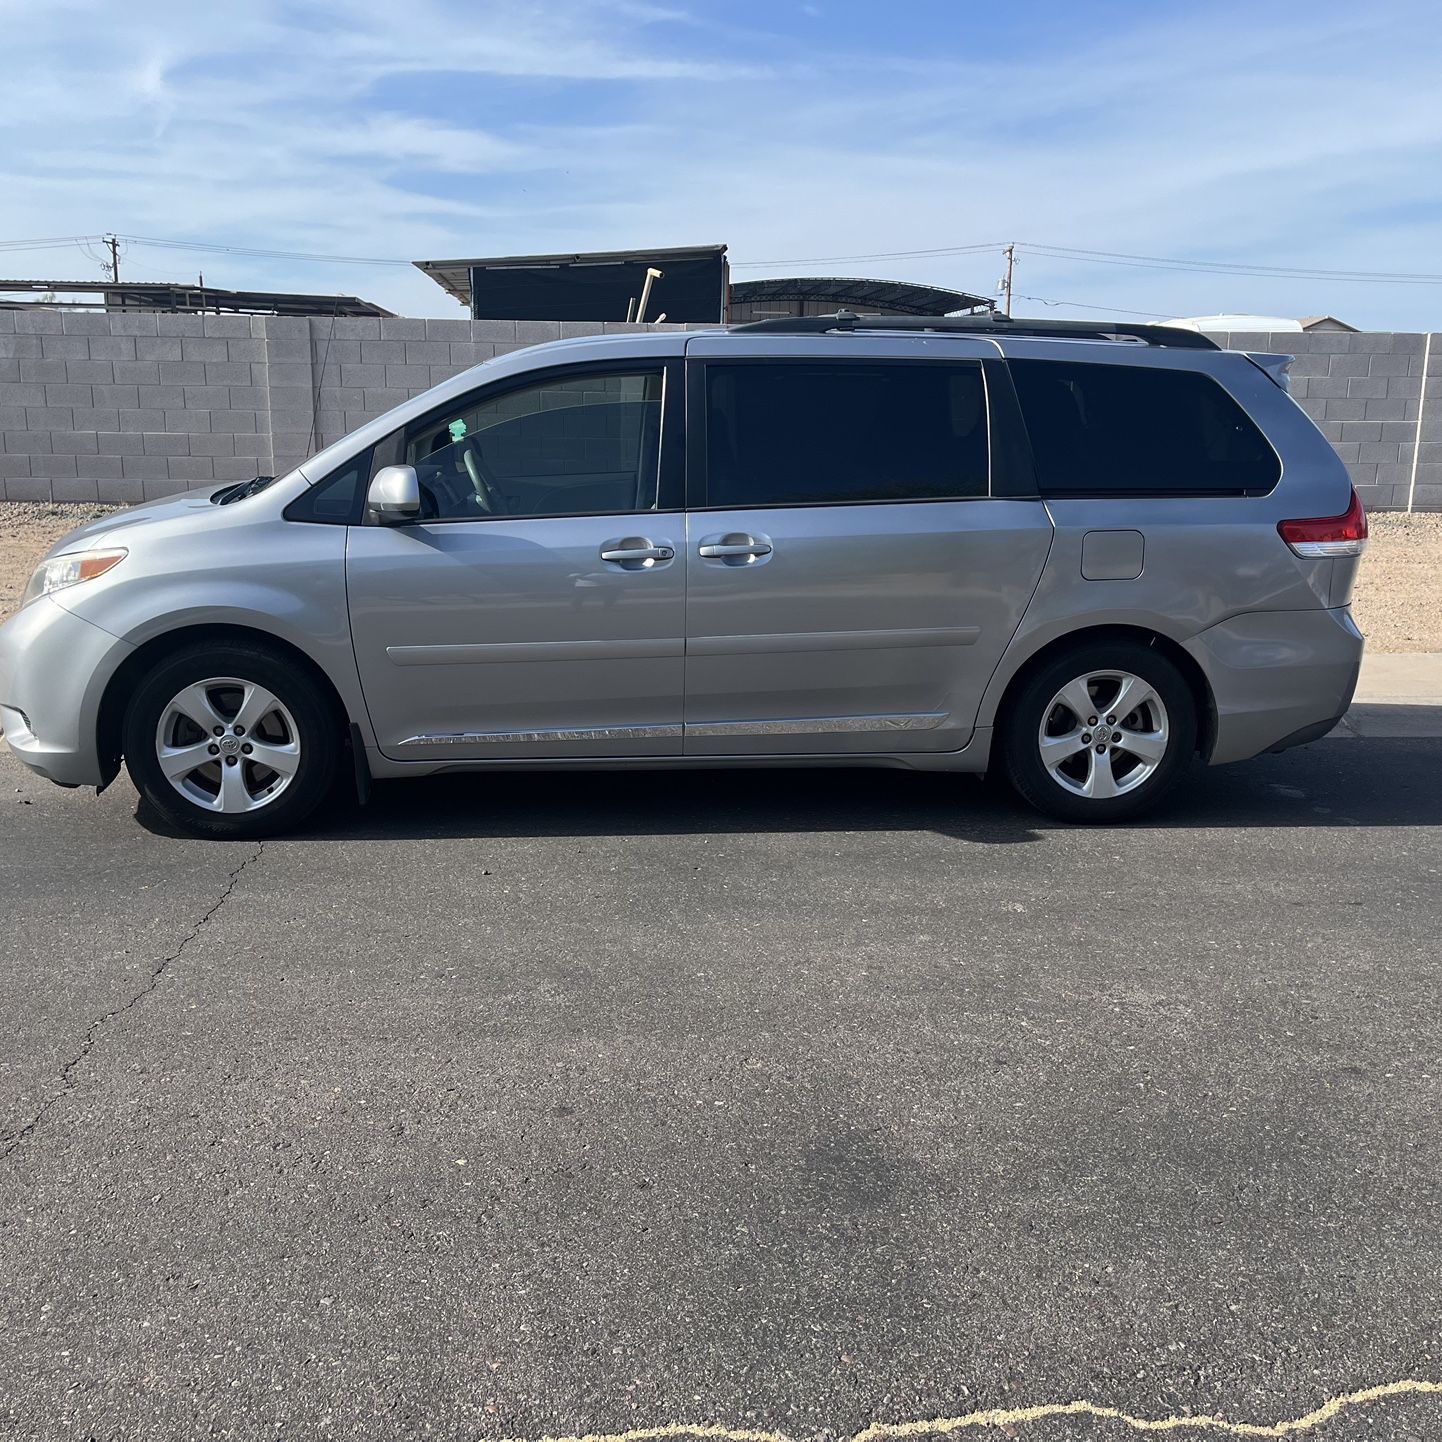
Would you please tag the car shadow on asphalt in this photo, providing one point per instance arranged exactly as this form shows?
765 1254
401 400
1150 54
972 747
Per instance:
1343 782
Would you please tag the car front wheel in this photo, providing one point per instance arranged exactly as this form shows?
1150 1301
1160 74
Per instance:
1100 733
231 741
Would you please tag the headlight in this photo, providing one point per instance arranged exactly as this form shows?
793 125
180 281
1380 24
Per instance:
70 570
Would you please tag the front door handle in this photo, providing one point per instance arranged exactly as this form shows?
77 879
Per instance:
639 553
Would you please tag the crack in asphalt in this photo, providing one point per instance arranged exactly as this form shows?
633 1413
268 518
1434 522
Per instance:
1011 1417
11 1141
1004 1417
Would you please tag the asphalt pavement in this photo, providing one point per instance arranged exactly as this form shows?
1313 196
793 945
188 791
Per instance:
779 1102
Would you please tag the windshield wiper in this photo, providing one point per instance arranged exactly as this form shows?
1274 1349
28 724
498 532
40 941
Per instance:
240 491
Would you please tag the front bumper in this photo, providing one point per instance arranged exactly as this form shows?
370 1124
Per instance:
54 668
1278 677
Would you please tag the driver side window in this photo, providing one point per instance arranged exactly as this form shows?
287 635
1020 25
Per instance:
573 445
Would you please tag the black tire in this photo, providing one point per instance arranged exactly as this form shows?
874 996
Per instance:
304 706
1053 792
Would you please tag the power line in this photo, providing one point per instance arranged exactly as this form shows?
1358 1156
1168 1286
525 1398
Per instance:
1223 267
1087 305
54 242
86 249
1141 262
1121 259
131 264
260 252
876 255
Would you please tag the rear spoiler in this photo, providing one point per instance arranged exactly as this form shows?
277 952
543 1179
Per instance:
1278 368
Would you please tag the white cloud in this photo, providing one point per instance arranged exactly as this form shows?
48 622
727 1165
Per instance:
1288 136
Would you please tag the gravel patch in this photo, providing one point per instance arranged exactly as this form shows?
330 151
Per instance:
1398 600
1398 597
27 530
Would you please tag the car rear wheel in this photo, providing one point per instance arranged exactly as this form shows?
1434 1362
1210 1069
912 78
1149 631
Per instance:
231 741
1100 733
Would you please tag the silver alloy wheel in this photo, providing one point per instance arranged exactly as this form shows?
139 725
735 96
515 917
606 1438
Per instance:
1104 734
227 745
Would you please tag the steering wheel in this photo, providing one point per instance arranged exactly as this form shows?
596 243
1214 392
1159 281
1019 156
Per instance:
483 483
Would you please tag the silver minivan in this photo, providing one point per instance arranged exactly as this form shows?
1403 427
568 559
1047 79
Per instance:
1084 554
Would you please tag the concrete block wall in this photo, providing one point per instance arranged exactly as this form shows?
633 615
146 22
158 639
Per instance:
329 376
1367 392
124 408
128 408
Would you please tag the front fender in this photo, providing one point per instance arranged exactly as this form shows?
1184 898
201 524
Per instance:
280 579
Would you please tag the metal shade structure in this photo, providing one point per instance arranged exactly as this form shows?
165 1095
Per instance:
824 295
694 287
596 285
175 297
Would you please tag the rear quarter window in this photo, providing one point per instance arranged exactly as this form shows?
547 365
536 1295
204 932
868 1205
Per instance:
1120 430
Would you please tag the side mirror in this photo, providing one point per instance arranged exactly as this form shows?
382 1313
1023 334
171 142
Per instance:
394 495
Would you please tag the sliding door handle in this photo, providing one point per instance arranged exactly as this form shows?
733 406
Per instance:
720 550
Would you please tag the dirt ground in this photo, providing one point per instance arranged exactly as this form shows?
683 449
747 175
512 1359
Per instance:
1398 603
27 530
1398 598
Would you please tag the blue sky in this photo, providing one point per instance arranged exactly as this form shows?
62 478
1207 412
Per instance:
1284 135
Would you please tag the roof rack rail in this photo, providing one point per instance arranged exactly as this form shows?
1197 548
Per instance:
845 321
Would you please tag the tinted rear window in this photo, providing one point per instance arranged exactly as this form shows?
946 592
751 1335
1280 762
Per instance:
1139 430
802 434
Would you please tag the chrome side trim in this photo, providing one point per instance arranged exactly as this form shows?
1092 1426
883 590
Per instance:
498 652
661 732
831 641
817 725
493 652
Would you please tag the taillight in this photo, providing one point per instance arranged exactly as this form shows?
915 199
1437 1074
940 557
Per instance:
1344 535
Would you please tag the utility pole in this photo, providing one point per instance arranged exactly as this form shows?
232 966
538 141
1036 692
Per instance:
114 244
1010 253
